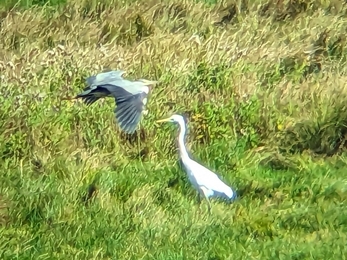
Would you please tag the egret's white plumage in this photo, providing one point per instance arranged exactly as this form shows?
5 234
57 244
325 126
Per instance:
204 180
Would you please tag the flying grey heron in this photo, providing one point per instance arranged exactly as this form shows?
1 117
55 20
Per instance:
130 96
205 181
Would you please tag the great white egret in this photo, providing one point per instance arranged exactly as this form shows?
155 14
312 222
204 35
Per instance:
204 180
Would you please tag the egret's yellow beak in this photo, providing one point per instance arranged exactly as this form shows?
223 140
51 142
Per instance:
163 120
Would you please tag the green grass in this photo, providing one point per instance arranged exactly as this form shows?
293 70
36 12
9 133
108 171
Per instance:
9 4
262 112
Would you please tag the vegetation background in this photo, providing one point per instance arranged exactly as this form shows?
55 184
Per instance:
262 84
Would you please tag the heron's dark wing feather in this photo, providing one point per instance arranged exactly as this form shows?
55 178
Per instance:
88 100
129 112
133 114
125 110
90 95
129 123
133 123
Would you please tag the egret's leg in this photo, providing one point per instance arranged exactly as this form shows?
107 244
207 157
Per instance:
206 194
198 198
208 205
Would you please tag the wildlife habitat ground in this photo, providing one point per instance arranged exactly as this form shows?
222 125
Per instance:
263 87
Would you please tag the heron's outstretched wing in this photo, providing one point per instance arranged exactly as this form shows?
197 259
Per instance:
104 89
128 117
129 97
129 108
128 114
104 78
101 85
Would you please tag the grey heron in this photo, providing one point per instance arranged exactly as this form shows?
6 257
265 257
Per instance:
130 96
206 182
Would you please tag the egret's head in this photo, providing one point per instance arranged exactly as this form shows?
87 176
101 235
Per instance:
173 119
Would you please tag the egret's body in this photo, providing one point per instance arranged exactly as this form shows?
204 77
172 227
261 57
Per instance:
204 180
130 96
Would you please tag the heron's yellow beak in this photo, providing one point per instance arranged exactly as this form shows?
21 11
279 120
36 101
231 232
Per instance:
163 120
148 82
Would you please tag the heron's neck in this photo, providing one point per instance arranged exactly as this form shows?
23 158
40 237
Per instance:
181 137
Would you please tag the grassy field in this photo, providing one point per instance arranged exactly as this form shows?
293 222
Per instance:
263 85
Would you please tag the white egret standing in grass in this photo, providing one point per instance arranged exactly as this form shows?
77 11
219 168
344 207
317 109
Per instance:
130 96
205 181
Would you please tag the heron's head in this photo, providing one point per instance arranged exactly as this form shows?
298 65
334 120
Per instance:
121 73
147 82
173 119
113 73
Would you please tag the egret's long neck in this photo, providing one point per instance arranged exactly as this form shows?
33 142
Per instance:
181 137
